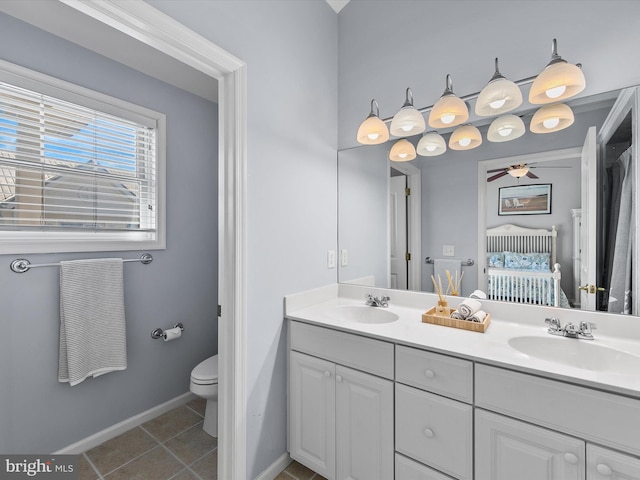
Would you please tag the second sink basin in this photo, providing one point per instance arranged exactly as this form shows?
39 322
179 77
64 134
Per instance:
365 314
578 353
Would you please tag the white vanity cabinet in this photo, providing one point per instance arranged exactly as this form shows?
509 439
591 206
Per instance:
340 418
605 464
432 425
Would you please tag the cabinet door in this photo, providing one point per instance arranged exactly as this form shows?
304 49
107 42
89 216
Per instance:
507 449
603 464
364 426
312 413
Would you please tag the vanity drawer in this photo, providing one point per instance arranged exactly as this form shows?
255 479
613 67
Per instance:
434 430
436 373
605 418
361 353
604 464
407 469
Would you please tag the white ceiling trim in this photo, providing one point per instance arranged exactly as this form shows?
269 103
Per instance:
337 5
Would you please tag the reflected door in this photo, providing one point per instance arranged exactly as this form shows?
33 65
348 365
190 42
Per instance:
588 225
398 232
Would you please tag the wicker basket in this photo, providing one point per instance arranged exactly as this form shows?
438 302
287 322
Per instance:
430 317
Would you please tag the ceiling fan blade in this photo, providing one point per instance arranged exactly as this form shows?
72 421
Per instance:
553 166
498 170
496 176
530 174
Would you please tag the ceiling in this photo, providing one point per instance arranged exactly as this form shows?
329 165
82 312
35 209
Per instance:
66 22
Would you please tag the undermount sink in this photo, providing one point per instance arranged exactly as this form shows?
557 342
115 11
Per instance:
365 314
578 353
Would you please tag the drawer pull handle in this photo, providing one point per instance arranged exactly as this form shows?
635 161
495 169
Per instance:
604 469
338 378
327 373
428 433
429 373
571 458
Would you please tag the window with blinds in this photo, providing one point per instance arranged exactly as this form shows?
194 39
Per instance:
75 174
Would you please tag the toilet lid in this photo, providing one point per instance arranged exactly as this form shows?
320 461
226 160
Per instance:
206 371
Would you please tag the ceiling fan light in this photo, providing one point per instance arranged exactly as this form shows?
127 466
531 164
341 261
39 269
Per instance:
500 95
431 144
449 111
552 118
402 151
373 131
505 128
558 81
408 121
465 137
518 171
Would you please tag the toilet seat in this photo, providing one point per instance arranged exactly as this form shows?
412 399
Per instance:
206 372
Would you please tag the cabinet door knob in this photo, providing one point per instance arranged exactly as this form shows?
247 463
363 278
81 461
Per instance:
338 378
428 433
571 458
327 373
429 373
604 469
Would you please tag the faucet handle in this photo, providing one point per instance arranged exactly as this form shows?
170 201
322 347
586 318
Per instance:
554 323
586 329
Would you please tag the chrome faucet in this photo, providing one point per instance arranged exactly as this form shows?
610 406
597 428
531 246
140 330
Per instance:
377 301
583 331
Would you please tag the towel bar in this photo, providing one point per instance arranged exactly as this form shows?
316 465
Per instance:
21 265
466 263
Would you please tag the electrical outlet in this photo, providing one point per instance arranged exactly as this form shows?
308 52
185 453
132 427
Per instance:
448 250
344 257
331 259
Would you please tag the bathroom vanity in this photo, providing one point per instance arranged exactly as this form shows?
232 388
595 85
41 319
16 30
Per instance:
376 394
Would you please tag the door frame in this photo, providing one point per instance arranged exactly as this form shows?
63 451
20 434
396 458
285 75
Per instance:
154 28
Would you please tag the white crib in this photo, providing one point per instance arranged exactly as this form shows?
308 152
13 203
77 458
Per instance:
524 286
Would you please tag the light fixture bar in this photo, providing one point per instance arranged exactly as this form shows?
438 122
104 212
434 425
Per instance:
471 96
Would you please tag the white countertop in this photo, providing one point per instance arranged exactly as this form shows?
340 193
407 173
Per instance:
492 347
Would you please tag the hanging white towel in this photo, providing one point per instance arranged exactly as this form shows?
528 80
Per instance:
92 323
440 267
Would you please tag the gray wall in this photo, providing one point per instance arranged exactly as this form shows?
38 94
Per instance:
38 414
290 48
387 46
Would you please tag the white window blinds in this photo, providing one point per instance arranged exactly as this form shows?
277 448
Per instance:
64 166
79 171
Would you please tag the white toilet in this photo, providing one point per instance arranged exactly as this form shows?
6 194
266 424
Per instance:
204 383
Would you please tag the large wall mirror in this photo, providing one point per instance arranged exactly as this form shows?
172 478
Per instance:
399 223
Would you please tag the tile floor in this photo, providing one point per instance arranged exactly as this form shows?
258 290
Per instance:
172 446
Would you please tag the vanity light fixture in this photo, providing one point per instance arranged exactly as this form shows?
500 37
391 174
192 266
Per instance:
506 127
431 144
450 110
465 137
402 151
408 121
558 81
498 96
373 131
551 118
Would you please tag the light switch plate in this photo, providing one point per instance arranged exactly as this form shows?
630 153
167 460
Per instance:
331 259
344 257
448 250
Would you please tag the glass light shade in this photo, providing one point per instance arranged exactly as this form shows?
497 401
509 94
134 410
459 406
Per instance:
408 121
551 118
558 81
373 131
505 128
498 96
402 151
431 144
449 111
518 171
465 137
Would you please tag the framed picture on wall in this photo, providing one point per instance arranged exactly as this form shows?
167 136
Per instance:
525 200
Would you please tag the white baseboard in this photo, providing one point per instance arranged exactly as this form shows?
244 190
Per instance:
114 430
275 468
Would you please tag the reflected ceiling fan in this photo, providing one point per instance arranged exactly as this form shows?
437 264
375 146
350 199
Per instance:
517 171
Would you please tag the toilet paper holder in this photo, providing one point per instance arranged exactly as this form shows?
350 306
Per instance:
159 333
